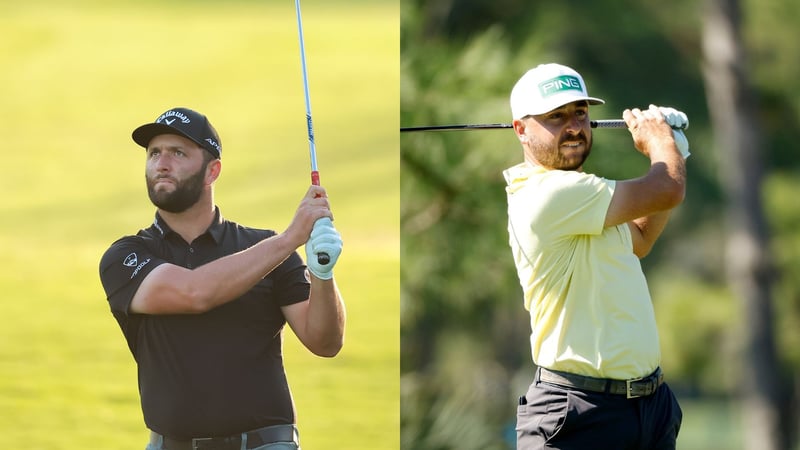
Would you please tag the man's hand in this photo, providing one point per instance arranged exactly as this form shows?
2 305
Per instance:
324 239
649 130
313 207
679 122
675 118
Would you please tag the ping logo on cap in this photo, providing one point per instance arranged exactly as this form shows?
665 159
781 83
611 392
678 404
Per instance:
559 84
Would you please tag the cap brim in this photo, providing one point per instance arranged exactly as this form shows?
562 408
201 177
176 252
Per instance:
568 100
145 133
558 103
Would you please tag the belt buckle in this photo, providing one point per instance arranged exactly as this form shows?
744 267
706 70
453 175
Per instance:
198 441
628 387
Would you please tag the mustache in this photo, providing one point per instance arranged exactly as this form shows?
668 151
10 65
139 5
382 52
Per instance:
164 177
577 137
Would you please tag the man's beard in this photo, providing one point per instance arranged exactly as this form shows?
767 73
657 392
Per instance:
185 195
549 155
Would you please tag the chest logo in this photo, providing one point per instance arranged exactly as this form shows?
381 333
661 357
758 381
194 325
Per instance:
131 260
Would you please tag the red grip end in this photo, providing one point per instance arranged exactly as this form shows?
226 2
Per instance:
322 258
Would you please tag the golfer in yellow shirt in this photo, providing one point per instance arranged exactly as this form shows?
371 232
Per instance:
576 239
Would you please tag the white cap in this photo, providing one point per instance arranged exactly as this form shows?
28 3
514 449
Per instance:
547 87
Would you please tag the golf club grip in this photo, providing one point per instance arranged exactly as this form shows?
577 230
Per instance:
612 123
322 257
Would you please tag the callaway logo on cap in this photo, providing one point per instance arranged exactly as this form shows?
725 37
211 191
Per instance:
547 87
184 122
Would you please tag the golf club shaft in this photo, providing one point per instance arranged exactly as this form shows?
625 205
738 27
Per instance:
616 123
322 258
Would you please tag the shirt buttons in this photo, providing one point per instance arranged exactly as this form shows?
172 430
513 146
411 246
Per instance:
191 250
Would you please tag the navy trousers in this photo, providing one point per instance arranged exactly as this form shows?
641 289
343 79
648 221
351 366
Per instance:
556 417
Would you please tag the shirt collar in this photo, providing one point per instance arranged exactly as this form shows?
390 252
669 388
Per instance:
521 172
215 230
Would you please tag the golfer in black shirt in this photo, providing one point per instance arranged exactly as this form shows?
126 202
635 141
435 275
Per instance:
202 301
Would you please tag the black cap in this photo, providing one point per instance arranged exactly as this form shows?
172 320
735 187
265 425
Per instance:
184 122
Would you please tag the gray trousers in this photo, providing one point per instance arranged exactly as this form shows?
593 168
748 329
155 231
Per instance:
555 417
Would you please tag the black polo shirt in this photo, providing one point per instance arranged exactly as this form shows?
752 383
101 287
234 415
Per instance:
213 374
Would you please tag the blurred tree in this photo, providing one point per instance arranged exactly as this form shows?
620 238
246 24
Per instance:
738 140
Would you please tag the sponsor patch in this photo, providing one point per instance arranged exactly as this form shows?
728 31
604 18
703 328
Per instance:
558 84
178 114
131 260
139 267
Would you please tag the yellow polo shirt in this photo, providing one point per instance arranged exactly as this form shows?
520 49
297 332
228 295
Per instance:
591 312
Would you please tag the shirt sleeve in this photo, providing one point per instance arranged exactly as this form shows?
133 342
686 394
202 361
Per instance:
291 281
572 203
123 267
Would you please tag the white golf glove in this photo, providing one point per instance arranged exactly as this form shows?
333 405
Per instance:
679 122
324 239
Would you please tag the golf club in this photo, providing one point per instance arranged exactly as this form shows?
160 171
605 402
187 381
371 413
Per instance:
322 258
617 123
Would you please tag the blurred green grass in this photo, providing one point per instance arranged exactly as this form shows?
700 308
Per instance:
710 424
77 79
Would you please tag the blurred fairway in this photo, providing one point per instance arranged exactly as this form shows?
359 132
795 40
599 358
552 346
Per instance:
76 78
710 424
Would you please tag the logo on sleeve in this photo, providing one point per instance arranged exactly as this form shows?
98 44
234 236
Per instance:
131 260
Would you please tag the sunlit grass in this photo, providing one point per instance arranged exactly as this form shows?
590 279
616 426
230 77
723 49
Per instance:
77 79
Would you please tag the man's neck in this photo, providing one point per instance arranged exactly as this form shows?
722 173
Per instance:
191 223
532 162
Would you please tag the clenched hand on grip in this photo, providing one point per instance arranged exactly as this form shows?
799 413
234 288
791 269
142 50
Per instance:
324 239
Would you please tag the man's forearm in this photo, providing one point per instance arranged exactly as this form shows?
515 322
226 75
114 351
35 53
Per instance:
646 230
228 278
326 317
171 289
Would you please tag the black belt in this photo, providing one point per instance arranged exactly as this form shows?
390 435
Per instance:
637 387
255 438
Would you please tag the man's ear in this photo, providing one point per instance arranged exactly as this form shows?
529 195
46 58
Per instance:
519 128
213 170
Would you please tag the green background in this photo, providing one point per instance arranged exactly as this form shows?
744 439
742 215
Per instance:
465 337
76 79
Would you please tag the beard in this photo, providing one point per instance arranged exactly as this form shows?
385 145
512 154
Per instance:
186 194
551 156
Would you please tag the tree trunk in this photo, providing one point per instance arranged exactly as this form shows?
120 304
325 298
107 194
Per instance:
739 146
